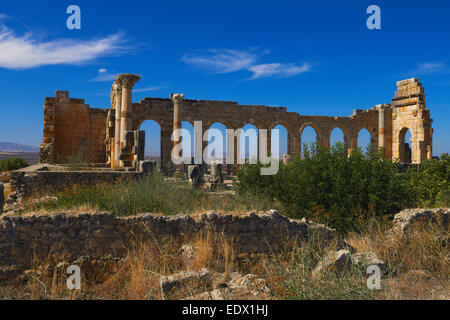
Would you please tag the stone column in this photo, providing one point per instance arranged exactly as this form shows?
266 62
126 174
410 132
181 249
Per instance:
127 81
351 142
117 133
381 126
263 138
177 99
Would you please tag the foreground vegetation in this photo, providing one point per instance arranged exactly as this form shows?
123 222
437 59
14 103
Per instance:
153 194
417 268
355 194
328 186
12 164
343 191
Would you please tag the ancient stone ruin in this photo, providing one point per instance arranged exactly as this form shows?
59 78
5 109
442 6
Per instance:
111 136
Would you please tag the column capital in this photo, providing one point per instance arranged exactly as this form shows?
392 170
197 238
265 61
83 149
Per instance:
177 97
127 80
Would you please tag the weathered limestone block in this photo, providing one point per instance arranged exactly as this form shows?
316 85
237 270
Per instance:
194 175
46 153
216 172
334 261
248 287
187 280
410 219
366 259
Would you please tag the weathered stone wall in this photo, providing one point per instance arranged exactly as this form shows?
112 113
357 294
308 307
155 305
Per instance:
72 128
27 183
235 116
104 234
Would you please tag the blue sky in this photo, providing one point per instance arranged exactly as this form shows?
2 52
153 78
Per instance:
314 57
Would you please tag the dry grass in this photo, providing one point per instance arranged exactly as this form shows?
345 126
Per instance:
418 265
418 268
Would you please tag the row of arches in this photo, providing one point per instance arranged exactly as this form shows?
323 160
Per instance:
247 150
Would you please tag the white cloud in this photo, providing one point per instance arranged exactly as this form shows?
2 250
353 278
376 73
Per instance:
278 69
23 52
150 88
228 60
104 76
222 60
430 67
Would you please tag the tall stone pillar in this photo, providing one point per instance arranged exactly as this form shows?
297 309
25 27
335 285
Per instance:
263 138
127 81
177 100
351 142
381 126
117 133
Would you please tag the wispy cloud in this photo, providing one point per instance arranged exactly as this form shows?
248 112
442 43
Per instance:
431 68
104 76
27 51
278 70
228 60
154 88
221 60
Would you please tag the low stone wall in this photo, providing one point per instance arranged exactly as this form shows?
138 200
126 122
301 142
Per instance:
27 183
21 238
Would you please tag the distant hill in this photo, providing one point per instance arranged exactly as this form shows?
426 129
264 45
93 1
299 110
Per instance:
16 147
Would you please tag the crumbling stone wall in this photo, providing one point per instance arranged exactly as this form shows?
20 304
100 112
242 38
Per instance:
28 183
104 234
386 123
72 128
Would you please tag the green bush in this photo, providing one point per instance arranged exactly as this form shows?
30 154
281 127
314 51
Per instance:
333 187
431 182
12 164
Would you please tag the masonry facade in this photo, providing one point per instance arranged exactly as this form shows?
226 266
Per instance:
112 135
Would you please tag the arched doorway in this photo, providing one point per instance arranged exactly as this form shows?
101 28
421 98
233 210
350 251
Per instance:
308 137
405 146
337 136
152 140
364 140
278 147
249 143
187 141
217 138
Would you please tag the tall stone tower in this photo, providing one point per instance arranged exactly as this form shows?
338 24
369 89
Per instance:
409 113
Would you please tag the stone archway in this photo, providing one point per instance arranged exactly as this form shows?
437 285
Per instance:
405 148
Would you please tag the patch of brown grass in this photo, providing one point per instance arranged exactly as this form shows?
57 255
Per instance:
418 264
418 268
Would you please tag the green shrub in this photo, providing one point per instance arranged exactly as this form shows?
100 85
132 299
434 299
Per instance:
333 187
431 182
12 164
